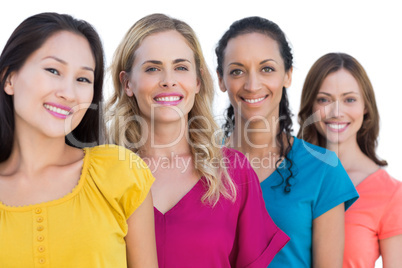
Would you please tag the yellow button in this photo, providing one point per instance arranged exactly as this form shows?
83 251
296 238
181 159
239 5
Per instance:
40 238
38 211
39 219
40 228
41 248
42 260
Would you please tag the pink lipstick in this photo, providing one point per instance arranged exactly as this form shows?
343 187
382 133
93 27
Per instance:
58 110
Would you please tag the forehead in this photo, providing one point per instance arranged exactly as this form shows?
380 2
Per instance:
164 45
70 47
340 82
252 45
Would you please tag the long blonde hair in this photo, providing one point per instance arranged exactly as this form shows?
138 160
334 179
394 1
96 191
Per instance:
123 108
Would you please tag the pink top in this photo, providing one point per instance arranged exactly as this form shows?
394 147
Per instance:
376 215
240 234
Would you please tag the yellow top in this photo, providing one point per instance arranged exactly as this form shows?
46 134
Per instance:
85 228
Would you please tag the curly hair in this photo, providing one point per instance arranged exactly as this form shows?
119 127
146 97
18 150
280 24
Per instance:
271 29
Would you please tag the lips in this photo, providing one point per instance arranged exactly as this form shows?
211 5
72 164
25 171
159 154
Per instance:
58 110
168 99
254 100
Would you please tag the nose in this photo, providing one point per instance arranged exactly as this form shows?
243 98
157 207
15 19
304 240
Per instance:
168 80
253 82
333 110
66 89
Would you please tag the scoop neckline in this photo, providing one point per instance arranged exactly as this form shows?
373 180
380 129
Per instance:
369 178
74 191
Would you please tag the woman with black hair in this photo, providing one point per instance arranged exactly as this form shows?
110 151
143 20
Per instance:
63 204
305 188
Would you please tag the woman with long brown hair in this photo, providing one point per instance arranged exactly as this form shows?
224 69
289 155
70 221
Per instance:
338 111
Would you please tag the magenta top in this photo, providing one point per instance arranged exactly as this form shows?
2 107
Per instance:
239 234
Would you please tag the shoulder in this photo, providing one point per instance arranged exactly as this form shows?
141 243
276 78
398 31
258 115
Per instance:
120 175
232 154
113 156
235 160
322 171
108 163
238 166
314 157
382 180
110 152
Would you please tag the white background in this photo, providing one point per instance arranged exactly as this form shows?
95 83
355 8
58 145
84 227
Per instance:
371 31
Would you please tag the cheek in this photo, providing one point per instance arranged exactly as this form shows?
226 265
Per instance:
86 96
274 83
318 116
319 112
232 89
359 114
141 86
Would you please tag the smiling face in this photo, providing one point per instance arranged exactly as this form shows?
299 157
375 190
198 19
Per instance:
341 106
254 76
54 87
163 77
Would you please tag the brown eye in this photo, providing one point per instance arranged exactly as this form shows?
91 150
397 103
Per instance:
236 72
267 69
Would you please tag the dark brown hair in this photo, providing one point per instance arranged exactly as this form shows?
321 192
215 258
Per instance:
271 29
28 37
368 134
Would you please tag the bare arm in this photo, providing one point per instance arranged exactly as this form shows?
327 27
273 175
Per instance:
391 251
140 239
329 238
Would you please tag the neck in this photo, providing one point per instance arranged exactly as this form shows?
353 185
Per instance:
32 153
348 152
257 138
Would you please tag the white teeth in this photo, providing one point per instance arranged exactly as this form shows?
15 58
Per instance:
337 126
171 98
56 110
254 100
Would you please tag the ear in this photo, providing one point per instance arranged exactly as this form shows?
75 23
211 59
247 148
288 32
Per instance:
288 78
199 81
221 83
198 86
9 84
124 80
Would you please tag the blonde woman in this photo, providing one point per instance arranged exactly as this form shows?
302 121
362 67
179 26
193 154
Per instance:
209 210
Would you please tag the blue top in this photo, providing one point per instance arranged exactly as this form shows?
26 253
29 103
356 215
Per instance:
319 183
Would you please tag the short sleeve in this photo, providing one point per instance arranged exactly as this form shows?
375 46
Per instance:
258 239
335 187
391 219
122 177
